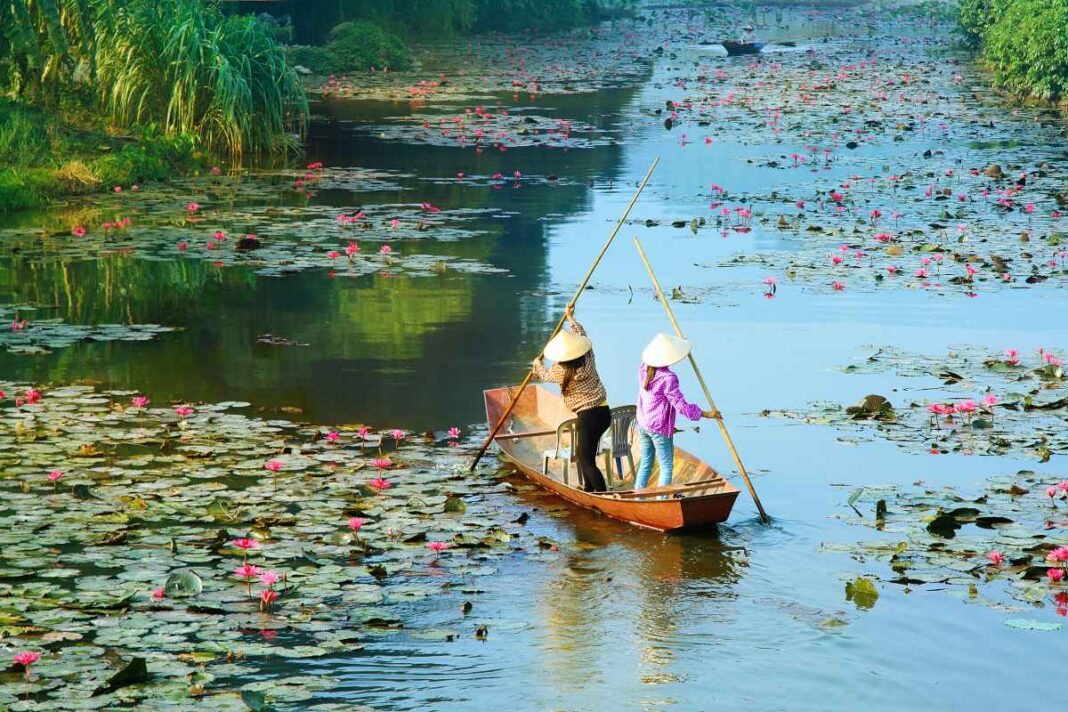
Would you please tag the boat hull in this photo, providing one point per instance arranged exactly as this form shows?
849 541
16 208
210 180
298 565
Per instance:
735 49
698 497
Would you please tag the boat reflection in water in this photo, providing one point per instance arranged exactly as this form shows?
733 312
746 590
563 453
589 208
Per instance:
619 607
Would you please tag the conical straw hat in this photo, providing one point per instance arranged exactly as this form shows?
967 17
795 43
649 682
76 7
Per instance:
665 350
567 346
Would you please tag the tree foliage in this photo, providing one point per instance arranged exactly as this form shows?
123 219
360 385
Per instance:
1025 42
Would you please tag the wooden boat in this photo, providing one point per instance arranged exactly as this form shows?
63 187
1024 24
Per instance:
738 48
697 496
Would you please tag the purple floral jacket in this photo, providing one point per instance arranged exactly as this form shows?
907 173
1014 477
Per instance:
658 403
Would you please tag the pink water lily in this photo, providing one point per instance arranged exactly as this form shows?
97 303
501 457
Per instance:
385 250
247 572
183 411
26 658
996 557
1054 575
356 523
159 593
437 547
453 432
139 401
78 231
1058 555
333 436
267 599
270 578
381 463
245 545
380 484
397 434
965 406
363 431
273 465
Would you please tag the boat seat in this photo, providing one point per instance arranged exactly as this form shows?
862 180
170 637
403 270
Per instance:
567 454
618 443
614 445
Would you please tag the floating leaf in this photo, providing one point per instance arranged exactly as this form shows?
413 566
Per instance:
183 584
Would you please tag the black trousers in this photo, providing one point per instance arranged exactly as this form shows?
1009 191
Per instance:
588 431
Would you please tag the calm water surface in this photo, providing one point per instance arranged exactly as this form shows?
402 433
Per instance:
626 620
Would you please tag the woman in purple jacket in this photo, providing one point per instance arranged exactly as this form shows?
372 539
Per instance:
659 398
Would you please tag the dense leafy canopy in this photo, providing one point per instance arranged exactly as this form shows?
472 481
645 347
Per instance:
1024 41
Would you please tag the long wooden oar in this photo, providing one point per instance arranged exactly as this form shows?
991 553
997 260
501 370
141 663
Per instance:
560 324
701 379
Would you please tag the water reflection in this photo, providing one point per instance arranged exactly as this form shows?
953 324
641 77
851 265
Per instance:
388 349
623 605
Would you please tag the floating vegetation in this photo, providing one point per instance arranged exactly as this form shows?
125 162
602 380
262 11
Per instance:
161 554
971 402
1005 547
884 165
29 335
583 61
497 128
255 221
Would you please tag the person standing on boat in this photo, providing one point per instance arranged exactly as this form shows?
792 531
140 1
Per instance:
584 394
748 35
659 399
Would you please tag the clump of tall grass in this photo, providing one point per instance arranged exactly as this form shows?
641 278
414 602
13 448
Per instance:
186 67
181 65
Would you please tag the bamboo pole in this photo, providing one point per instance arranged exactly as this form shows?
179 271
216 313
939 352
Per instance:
704 386
570 304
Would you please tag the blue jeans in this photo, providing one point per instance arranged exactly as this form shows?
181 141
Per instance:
663 446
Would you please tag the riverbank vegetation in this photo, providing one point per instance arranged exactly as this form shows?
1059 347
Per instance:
358 35
1023 43
111 92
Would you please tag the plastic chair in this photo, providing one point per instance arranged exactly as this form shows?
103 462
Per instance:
566 453
619 431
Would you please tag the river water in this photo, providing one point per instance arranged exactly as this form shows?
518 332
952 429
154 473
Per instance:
749 615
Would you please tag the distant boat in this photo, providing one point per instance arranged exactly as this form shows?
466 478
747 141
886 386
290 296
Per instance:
737 48
698 495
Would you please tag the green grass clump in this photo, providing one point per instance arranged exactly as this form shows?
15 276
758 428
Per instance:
364 45
43 157
318 60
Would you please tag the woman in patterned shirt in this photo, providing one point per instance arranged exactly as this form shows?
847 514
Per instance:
584 394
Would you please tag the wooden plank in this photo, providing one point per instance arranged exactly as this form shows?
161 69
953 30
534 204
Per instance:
686 489
529 434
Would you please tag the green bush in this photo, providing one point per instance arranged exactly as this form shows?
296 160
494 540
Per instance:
1028 48
977 16
319 60
1025 43
363 45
